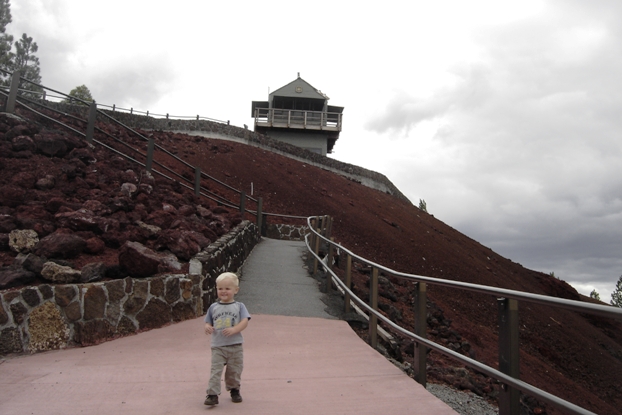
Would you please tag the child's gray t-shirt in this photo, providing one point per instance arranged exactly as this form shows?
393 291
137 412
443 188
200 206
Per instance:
224 315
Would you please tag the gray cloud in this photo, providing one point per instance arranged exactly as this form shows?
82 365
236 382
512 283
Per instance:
530 142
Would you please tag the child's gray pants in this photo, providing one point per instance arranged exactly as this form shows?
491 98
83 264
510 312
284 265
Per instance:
233 357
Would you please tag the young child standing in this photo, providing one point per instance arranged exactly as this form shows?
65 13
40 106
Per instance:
225 320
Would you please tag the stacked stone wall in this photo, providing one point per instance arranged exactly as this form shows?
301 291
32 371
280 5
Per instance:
48 316
287 232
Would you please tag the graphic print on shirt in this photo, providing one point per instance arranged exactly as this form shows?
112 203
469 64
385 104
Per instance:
224 320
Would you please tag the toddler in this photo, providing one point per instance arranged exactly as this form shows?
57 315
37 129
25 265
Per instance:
224 321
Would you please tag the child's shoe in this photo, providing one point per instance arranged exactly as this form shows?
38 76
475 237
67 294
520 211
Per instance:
235 396
211 400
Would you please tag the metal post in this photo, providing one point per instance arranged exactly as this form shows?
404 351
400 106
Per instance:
509 398
90 127
242 203
150 146
259 213
197 181
12 98
420 356
329 226
316 249
373 303
348 282
329 265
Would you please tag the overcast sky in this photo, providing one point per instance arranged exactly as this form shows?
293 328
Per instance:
505 117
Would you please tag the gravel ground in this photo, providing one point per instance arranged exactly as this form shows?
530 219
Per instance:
465 403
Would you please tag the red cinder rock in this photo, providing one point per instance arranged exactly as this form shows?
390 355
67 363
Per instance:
51 145
94 246
140 261
13 276
60 245
184 244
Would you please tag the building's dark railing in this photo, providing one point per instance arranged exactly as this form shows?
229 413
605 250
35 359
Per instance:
508 373
308 120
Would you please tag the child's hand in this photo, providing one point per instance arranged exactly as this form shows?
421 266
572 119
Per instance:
229 331
208 328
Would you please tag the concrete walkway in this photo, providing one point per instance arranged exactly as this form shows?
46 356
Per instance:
294 364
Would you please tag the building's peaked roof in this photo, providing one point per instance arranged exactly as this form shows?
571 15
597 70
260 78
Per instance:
299 88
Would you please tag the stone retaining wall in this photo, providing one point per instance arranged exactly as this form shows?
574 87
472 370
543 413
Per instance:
206 128
49 316
287 232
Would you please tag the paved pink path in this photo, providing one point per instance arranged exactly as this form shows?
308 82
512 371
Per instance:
293 365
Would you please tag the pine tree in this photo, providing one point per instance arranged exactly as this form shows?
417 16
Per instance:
594 294
6 41
82 92
616 295
28 64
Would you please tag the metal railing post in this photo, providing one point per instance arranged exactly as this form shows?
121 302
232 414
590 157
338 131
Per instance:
242 203
316 248
329 265
197 181
150 146
12 98
259 214
373 303
90 127
421 352
348 282
509 398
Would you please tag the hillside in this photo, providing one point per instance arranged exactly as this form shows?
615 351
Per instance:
573 356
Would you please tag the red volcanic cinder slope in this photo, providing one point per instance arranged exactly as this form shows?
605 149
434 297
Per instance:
574 356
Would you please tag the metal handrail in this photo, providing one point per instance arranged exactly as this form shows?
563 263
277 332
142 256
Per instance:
607 311
602 310
202 191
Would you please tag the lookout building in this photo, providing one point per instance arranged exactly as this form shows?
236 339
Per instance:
299 114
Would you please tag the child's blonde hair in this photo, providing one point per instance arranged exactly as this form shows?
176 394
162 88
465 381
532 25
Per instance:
228 276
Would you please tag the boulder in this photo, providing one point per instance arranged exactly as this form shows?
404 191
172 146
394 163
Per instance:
51 145
60 274
24 179
93 272
149 230
12 196
46 183
7 223
30 262
94 246
23 143
13 276
60 245
4 241
23 240
184 244
128 189
140 261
